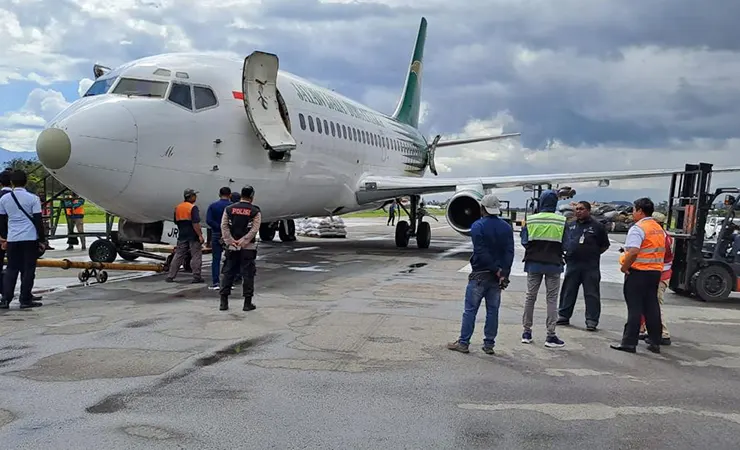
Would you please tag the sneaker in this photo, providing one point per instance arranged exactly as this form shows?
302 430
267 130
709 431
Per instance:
590 327
214 287
198 280
553 342
527 337
458 347
169 280
563 322
665 341
642 336
488 350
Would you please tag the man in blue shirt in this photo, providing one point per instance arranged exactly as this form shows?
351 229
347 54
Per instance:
20 222
213 219
493 255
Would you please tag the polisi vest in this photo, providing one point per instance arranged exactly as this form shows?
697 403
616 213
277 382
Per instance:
545 236
652 251
240 216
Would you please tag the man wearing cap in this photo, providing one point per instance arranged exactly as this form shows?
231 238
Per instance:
493 255
665 277
189 237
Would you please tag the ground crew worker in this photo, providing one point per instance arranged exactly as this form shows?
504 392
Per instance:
642 265
493 255
213 219
75 214
239 226
189 237
392 213
5 183
665 277
20 221
585 241
542 237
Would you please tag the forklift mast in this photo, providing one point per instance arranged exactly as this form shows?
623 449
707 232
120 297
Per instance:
689 204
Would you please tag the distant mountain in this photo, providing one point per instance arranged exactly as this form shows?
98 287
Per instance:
7 155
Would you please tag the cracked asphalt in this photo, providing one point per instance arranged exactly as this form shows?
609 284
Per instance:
347 350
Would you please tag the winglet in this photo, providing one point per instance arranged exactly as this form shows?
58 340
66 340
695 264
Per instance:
409 106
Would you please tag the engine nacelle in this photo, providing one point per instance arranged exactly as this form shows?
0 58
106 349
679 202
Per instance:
566 192
464 208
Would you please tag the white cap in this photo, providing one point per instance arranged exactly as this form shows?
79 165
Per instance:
491 204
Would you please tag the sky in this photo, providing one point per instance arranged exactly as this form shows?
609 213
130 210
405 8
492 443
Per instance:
592 85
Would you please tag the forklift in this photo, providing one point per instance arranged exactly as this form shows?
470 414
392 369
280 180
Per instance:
708 270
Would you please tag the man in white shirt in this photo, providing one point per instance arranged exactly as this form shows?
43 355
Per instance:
5 183
20 222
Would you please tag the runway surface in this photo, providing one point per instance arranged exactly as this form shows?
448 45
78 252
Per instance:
347 350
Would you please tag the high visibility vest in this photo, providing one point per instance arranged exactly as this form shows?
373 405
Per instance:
79 211
668 259
183 212
652 251
545 226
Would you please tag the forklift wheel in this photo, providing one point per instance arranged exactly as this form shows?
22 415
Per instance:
713 282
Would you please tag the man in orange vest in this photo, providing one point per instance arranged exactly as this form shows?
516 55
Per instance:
642 265
665 277
189 237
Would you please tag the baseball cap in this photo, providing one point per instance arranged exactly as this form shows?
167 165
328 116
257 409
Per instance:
188 192
491 204
659 217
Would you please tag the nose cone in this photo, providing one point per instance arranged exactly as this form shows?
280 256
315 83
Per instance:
53 148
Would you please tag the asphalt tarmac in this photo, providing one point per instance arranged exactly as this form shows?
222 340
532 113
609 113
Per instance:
347 350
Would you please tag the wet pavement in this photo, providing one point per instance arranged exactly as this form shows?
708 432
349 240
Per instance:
347 350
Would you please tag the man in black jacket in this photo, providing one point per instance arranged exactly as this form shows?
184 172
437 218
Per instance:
585 241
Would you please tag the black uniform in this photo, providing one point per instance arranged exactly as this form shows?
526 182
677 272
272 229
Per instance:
239 262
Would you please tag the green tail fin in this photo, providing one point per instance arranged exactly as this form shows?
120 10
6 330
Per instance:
409 106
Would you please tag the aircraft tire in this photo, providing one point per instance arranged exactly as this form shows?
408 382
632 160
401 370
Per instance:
424 235
128 256
283 232
402 234
103 250
267 232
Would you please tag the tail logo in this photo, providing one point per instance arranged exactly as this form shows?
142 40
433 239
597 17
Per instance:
416 67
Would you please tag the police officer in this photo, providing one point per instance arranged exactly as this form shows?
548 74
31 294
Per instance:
239 226
585 241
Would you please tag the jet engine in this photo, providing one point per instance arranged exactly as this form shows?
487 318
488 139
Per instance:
566 192
464 208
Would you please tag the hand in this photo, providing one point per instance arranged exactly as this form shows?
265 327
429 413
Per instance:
42 246
4 245
624 270
503 283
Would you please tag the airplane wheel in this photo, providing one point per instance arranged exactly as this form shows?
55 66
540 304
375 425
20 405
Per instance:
283 232
291 229
131 256
424 235
713 283
267 232
402 234
103 251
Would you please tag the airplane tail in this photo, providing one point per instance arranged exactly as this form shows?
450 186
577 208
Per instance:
409 106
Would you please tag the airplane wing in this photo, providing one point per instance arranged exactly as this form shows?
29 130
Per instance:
453 142
375 188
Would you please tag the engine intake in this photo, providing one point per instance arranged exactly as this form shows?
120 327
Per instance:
463 209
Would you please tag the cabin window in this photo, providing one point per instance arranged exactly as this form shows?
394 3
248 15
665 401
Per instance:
318 125
142 88
333 132
354 132
375 140
101 86
344 131
363 136
204 97
326 127
180 95
302 120
310 123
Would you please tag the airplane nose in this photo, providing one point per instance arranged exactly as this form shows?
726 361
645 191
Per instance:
53 148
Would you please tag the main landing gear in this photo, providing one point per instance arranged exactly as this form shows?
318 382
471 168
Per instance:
415 227
284 228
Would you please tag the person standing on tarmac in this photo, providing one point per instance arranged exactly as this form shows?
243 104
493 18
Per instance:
542 237
189 237
20 221
239 226
585 241
493 255
665 277
5 182
642 265
213 219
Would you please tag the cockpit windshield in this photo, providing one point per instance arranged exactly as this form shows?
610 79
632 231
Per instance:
101 86
144 88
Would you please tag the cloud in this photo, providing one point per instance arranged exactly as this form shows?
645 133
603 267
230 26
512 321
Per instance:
604 84
19 129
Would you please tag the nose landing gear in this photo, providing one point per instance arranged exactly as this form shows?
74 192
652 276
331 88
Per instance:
415 227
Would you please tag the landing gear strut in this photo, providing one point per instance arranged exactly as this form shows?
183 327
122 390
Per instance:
415 227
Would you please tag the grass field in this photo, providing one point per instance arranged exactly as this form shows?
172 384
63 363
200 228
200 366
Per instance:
94 214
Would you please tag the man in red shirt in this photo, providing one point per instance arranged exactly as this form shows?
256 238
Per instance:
664 278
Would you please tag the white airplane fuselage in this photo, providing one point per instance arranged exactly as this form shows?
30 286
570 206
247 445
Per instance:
134 155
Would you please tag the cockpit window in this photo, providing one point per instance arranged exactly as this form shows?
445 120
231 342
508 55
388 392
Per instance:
180 94
100 86
144 88
204 97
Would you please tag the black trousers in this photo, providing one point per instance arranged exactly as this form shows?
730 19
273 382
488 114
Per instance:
641 295
239 262
588 275
2 272
22 256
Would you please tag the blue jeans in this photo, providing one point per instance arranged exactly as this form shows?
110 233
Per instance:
475 292
216 252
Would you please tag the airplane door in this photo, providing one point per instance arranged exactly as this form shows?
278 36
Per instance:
265 107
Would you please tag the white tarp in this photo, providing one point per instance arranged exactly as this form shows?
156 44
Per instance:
326 227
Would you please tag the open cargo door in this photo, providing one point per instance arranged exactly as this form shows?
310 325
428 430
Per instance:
265 107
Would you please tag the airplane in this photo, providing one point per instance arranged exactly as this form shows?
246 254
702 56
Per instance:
150 128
